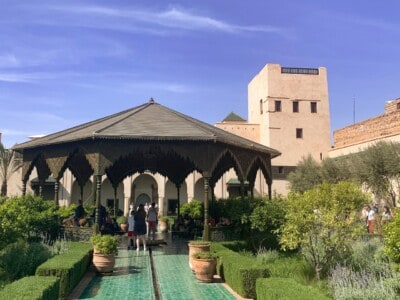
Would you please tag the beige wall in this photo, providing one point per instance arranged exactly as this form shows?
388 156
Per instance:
278 129
243 129
359 136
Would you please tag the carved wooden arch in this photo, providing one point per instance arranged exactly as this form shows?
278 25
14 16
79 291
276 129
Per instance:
225 161
79 166
39 162
259 163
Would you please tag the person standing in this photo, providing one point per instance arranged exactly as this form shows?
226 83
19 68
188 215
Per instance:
79 216
371 219
140 227
387 214
131 232
152 216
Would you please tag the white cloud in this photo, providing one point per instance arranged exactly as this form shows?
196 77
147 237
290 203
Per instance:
15 77
8 60
134 19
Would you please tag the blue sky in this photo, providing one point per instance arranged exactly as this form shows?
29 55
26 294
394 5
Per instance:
63 63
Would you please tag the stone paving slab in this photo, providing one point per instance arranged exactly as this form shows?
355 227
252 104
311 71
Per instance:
131 279
176 280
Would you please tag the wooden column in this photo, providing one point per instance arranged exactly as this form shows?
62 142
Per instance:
94 189
206 233
23 188
56 189
98 202
269 190
178 187
115 201
81 186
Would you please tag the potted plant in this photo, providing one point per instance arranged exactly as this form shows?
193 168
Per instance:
104 250
123 223
196 247
204 264
164 222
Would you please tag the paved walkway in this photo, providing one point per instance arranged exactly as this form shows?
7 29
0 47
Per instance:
162 274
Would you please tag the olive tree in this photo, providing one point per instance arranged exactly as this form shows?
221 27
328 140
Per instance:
379 169
306 176
322 222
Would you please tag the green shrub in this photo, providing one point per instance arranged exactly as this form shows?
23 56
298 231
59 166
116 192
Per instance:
392 239
122 220
368 255
193 209
28 216
275 288
104 244
32 288
69 266
293 266
21 259
240 273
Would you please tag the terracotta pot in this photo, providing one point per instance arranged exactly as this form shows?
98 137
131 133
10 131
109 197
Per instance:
193 248
124 227
163 226
104 263
204 269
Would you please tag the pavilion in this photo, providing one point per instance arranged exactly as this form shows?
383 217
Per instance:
149 137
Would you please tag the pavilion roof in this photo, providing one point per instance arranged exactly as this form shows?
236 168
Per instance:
150 121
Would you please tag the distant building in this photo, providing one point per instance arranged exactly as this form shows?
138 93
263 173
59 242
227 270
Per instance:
361 135
288 110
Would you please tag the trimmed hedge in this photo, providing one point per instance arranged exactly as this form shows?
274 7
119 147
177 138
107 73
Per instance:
241 273
32 288
69 266
238 271
275 288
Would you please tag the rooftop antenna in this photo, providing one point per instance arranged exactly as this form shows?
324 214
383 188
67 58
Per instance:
354 109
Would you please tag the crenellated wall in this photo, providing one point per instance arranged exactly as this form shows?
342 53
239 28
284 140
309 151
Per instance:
374 128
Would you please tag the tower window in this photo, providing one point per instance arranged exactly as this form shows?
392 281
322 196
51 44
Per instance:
314 107
261 106
295 106
278 105
299 133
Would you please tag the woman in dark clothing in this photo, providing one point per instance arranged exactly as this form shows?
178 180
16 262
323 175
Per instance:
140 227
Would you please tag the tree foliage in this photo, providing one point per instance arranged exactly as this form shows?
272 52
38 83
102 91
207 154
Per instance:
377 168
27 216
265 220
194 209
306 176
322 222
392 239
9 164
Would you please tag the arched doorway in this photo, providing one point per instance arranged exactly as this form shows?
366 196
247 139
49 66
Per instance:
143 198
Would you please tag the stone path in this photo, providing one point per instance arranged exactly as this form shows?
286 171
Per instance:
133 277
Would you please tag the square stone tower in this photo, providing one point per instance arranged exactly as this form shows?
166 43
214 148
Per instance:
292 107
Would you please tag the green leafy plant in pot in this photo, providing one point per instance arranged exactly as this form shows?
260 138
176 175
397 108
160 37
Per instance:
204 264
123 223
104 249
